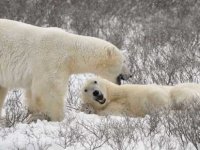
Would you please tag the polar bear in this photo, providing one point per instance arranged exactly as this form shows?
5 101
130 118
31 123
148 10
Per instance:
40 60
102 97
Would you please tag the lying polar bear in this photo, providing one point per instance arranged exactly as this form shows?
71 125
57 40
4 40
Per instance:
103 97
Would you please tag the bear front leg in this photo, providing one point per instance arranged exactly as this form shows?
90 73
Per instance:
48 99
33 112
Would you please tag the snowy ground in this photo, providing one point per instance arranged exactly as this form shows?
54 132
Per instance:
83 131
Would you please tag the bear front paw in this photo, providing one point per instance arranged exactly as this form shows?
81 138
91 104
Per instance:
87 108
34 117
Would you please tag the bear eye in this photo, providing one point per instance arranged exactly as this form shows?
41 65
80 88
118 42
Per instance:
85 90
95 82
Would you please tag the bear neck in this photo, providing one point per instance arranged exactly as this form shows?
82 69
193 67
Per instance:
115 92
86 64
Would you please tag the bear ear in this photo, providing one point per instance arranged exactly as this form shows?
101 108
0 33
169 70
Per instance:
110 52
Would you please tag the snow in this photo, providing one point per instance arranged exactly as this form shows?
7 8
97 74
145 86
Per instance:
53 135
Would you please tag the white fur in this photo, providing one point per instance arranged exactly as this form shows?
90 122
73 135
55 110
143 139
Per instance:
40 60
134 99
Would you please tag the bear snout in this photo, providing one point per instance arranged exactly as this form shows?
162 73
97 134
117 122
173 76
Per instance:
98 96
123 77
95 93
119 78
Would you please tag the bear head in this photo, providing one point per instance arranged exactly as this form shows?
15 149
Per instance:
94 93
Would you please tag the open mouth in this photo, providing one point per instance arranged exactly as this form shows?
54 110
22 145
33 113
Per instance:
100 98
102 101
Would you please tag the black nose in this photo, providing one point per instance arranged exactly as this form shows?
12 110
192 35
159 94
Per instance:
96 93
119 78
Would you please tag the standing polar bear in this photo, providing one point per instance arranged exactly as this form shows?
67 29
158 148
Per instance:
105 98
40 60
